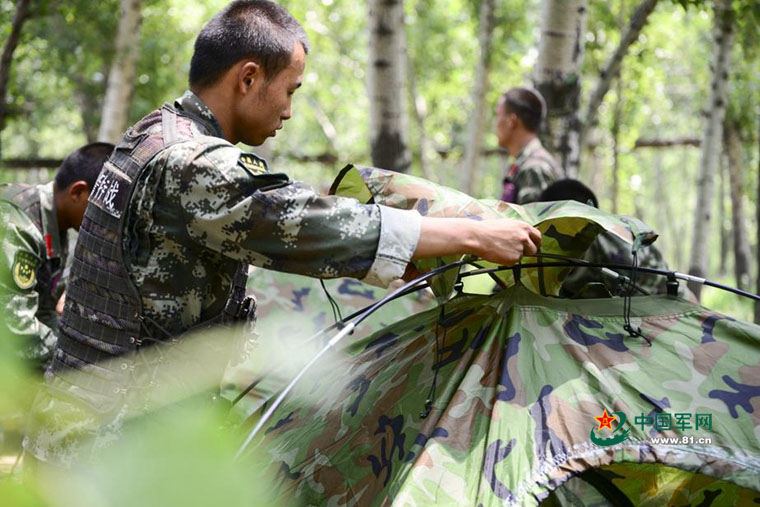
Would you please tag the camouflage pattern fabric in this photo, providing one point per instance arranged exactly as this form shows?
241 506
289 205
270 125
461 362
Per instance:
649 484
203 206
534 169
291 309
568 227
31 272
519 383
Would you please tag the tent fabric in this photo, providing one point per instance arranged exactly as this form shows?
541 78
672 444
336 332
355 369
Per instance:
520 379
568 227
293 308
520 397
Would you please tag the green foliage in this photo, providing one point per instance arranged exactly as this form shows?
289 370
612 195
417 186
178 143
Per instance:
60 71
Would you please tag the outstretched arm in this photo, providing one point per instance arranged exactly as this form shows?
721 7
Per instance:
501 241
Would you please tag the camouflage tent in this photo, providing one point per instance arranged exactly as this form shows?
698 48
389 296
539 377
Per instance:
519 397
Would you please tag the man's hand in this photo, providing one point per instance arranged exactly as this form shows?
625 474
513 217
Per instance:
501 241
506 241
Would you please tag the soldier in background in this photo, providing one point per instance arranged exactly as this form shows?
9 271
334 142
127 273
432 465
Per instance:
34 221
179 212
519 115
607 248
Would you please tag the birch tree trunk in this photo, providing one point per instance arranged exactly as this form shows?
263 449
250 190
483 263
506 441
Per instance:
723 37
121 78
389 130
736 170
558 76
21 15
476 128
611 69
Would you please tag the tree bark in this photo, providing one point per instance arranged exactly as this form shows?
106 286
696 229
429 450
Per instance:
121 78
558 76
742 254
723 36
724 240
389 131
612 68
476 128
21 15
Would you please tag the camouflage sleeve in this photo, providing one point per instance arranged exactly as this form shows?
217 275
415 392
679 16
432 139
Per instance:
19 261
532 179
265 219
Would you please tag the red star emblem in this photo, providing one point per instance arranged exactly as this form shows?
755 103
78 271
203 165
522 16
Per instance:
605 421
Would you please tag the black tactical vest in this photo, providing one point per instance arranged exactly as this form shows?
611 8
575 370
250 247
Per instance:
98 360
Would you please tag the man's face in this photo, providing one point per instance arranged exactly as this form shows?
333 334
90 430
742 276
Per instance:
505 123
267 105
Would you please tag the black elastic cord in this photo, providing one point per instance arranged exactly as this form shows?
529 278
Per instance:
628 299
436 362
333 304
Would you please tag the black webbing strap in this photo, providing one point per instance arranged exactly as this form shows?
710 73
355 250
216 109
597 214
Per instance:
108 339
99 246
102 305
85 347
101 277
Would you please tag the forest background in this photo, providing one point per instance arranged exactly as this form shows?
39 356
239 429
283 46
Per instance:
653 104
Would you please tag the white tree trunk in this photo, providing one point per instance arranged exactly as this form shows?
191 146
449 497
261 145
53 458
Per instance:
476 128
558 75
723 37
121 78
389 130
736 170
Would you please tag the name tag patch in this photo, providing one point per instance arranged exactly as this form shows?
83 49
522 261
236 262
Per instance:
111 191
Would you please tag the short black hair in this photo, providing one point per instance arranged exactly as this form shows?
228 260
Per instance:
257 29
83 164
528 105
569 190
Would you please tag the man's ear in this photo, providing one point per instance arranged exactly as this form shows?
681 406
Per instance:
78 191
248 74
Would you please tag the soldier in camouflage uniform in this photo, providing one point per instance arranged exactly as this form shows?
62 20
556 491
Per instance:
518 117
609 249
34 223
179 212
